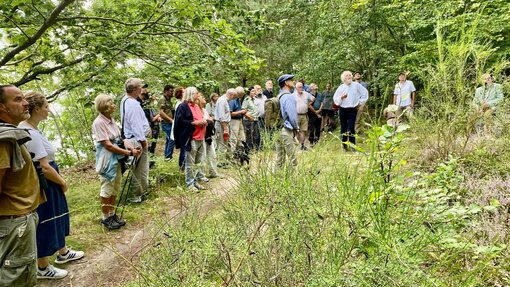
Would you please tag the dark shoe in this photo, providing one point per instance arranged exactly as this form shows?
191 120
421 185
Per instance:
119 220
110 223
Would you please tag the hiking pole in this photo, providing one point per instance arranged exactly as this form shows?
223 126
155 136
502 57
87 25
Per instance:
125 191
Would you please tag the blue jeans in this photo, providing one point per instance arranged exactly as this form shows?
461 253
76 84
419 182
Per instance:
169 143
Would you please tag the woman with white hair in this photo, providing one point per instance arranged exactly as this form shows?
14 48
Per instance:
108 151
189 132
349 96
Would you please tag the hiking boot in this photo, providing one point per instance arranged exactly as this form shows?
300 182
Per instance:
71 255
198 186
51 272
110 223
136 199
119 220
204 179
192 188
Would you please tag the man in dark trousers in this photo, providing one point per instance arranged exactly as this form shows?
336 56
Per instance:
20 194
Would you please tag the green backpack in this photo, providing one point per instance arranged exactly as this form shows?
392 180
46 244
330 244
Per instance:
272 118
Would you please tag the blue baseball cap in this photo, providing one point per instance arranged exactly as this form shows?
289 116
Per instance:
283 78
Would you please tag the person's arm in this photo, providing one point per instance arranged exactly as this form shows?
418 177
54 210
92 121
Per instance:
413 99
394 100
51 174
2 173
496 97
107 144
224 125
363 94
337 96
290 108
165 116
135 119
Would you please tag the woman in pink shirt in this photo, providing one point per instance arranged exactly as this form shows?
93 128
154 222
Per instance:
190 134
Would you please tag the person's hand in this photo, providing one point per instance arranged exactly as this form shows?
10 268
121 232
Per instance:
136 152
343 96
64 186
226 136
250 118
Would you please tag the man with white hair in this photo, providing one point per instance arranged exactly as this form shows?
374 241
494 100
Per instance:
348 97
303 102
268 92
135 128
222 125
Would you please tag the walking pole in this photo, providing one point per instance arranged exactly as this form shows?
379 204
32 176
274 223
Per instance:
125 191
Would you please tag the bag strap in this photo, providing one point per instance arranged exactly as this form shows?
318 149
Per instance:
122 118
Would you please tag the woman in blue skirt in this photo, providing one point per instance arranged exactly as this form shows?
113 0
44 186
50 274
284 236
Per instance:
53 224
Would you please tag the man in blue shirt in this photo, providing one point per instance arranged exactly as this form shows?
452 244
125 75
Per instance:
237 135
287 143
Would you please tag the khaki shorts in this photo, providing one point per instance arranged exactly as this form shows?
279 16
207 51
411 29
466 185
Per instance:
18 251
111 188
302 122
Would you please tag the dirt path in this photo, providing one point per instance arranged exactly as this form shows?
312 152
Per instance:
115 263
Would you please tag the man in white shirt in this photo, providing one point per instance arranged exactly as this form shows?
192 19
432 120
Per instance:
135 128
404 95
222 126
349 96
260 99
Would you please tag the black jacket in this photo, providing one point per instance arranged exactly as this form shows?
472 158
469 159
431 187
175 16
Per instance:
183 129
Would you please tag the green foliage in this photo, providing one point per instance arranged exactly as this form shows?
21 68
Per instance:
338 220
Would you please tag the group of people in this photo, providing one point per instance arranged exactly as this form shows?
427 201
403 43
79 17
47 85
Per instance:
34 217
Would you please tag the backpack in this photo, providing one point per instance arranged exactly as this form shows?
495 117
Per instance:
273 117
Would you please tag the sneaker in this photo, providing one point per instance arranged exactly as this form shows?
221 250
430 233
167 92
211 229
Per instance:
168 158
119 220
204 179
199 187
51 272
192 188
110 223
136 199
70 256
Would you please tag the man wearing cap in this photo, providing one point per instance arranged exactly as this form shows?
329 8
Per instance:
287 143
20 194
135 128
404 95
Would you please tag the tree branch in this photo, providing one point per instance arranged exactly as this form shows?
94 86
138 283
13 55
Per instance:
33 75
31 40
